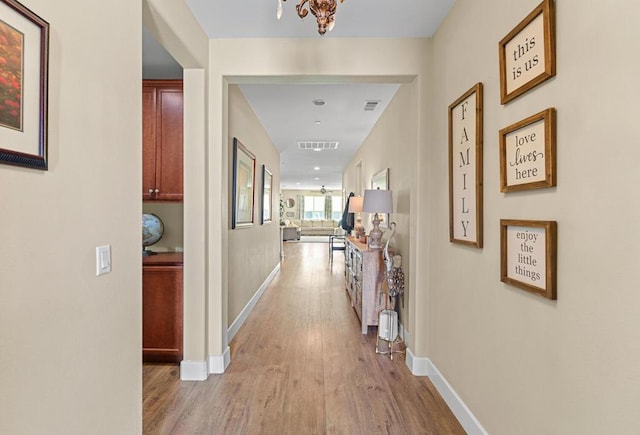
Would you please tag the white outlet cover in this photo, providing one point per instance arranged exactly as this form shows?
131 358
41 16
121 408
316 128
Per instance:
103 260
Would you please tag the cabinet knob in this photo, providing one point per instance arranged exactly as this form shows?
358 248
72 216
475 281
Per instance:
157 190
150 190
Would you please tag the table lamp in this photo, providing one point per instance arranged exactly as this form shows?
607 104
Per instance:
355 206
377 201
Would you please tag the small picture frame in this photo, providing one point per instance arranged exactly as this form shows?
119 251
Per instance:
528 53
528 153
465 168
23 86
244 167
528 255
267 196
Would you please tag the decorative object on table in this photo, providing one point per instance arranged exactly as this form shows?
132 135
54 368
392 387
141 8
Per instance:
528 53
528 153
244 167
323 10
465 168
528 253
152 232
377 202
355 207
267 198
381 181
23 86
388 317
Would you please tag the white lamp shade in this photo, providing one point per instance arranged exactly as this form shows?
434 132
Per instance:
377 201
355 204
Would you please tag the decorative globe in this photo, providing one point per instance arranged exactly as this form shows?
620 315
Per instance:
152 230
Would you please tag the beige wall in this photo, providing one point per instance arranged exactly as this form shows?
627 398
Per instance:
70 342
393 144
254 251
524 364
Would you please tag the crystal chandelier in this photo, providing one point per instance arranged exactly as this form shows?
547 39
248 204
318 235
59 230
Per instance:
323 10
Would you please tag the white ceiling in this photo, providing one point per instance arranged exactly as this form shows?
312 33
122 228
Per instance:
286 110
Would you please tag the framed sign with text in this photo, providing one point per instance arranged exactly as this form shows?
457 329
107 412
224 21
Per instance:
528 53
528 253
528 153
465 168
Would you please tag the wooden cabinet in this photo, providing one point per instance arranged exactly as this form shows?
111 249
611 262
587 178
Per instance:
364 277
162 308
162 140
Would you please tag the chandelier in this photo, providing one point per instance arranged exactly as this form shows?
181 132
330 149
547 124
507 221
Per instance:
323 10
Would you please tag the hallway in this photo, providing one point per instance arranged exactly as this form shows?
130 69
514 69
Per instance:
299 365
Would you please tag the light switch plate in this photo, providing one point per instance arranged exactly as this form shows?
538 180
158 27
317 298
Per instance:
103 260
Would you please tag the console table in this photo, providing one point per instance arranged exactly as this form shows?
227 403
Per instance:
364 277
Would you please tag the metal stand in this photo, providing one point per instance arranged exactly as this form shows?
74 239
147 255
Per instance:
388 332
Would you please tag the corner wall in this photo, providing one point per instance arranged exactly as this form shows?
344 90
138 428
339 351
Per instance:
70 342
524 364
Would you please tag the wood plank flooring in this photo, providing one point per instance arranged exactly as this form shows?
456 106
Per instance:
299 365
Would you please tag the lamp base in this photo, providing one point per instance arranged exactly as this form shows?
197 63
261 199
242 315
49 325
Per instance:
375 235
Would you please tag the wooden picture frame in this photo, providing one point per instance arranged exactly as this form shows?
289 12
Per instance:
528 53
267 196
528 153
465 168
380 181
528 255
244 168
23 86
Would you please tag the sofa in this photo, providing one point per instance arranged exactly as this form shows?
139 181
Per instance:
317 227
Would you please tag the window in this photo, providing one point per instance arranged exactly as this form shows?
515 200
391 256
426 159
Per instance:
314 207
336 207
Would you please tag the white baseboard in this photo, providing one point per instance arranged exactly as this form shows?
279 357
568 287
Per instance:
193 370
425 367
244 314
219 363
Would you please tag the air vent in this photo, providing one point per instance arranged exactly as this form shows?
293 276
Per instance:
317 145
371 105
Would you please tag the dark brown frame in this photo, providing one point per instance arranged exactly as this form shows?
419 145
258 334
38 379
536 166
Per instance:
13 156
549 290
238 150
547 116
477 189
547 9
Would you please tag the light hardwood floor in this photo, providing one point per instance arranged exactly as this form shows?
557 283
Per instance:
299 365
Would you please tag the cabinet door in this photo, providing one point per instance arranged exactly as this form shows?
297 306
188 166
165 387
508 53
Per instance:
148 141
162 313
169 143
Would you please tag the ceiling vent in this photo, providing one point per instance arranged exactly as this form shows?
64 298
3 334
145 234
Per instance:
371 105
318 145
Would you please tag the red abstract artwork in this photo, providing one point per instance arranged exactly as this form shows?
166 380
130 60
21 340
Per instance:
11 51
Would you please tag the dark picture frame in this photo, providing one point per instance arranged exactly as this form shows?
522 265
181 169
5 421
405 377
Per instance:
23 87
267 196
466 168
528 153
244 169
528 255
528 53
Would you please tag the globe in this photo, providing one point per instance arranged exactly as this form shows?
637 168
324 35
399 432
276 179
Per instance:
152 231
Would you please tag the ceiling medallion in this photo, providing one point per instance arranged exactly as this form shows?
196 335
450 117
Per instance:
323 10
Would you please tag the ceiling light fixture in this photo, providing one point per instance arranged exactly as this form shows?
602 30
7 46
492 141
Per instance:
316 168
323 10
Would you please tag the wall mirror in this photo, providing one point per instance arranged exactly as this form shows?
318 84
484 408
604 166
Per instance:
290 202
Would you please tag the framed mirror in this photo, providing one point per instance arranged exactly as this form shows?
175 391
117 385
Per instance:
290 202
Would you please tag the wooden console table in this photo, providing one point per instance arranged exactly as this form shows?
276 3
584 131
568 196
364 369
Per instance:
364 276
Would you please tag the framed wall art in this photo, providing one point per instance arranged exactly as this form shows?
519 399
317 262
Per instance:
380 181
244 166
528 53
528 255
23 86
267 196
528 153
465 168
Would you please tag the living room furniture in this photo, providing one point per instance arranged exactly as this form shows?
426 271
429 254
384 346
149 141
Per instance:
317 227
162 140
364 276
290 233
336 243
162 308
